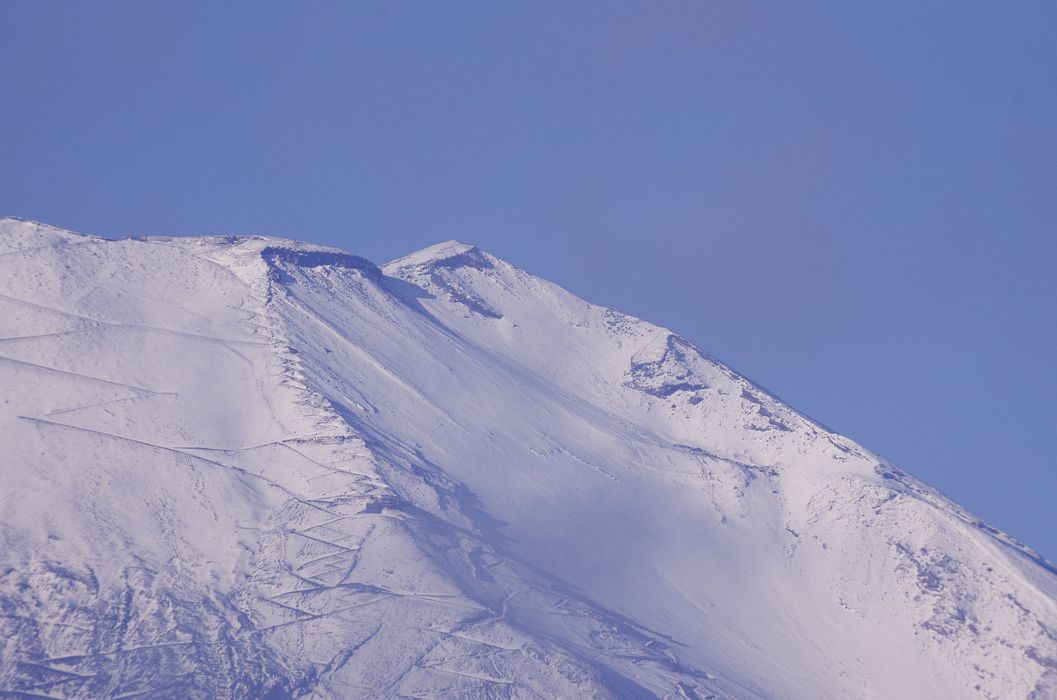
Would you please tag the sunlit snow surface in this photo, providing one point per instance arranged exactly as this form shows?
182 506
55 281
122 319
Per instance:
247 467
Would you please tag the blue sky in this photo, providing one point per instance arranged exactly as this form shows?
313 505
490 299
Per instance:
854 204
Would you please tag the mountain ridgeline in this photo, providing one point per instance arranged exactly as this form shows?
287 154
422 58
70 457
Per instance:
247 467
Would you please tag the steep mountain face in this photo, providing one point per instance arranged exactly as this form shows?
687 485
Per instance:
248 467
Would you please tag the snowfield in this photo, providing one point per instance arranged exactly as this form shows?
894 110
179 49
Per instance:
256 468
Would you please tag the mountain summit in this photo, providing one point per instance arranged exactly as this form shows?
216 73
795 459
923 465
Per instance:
247 467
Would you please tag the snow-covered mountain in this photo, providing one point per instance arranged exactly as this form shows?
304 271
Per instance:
249 467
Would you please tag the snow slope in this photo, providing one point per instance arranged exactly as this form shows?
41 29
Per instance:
250 467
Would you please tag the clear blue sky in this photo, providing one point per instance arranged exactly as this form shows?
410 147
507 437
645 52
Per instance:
854 204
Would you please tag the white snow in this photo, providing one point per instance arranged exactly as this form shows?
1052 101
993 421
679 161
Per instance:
440 251
245 465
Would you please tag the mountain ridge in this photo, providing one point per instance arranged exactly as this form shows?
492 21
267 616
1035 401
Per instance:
451 475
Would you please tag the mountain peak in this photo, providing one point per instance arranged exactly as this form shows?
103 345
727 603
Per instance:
447 254
252 467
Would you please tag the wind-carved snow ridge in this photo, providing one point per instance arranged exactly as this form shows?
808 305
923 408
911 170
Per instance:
248 467
317 258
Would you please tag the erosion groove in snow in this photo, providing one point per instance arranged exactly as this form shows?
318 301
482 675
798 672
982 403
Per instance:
247 467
